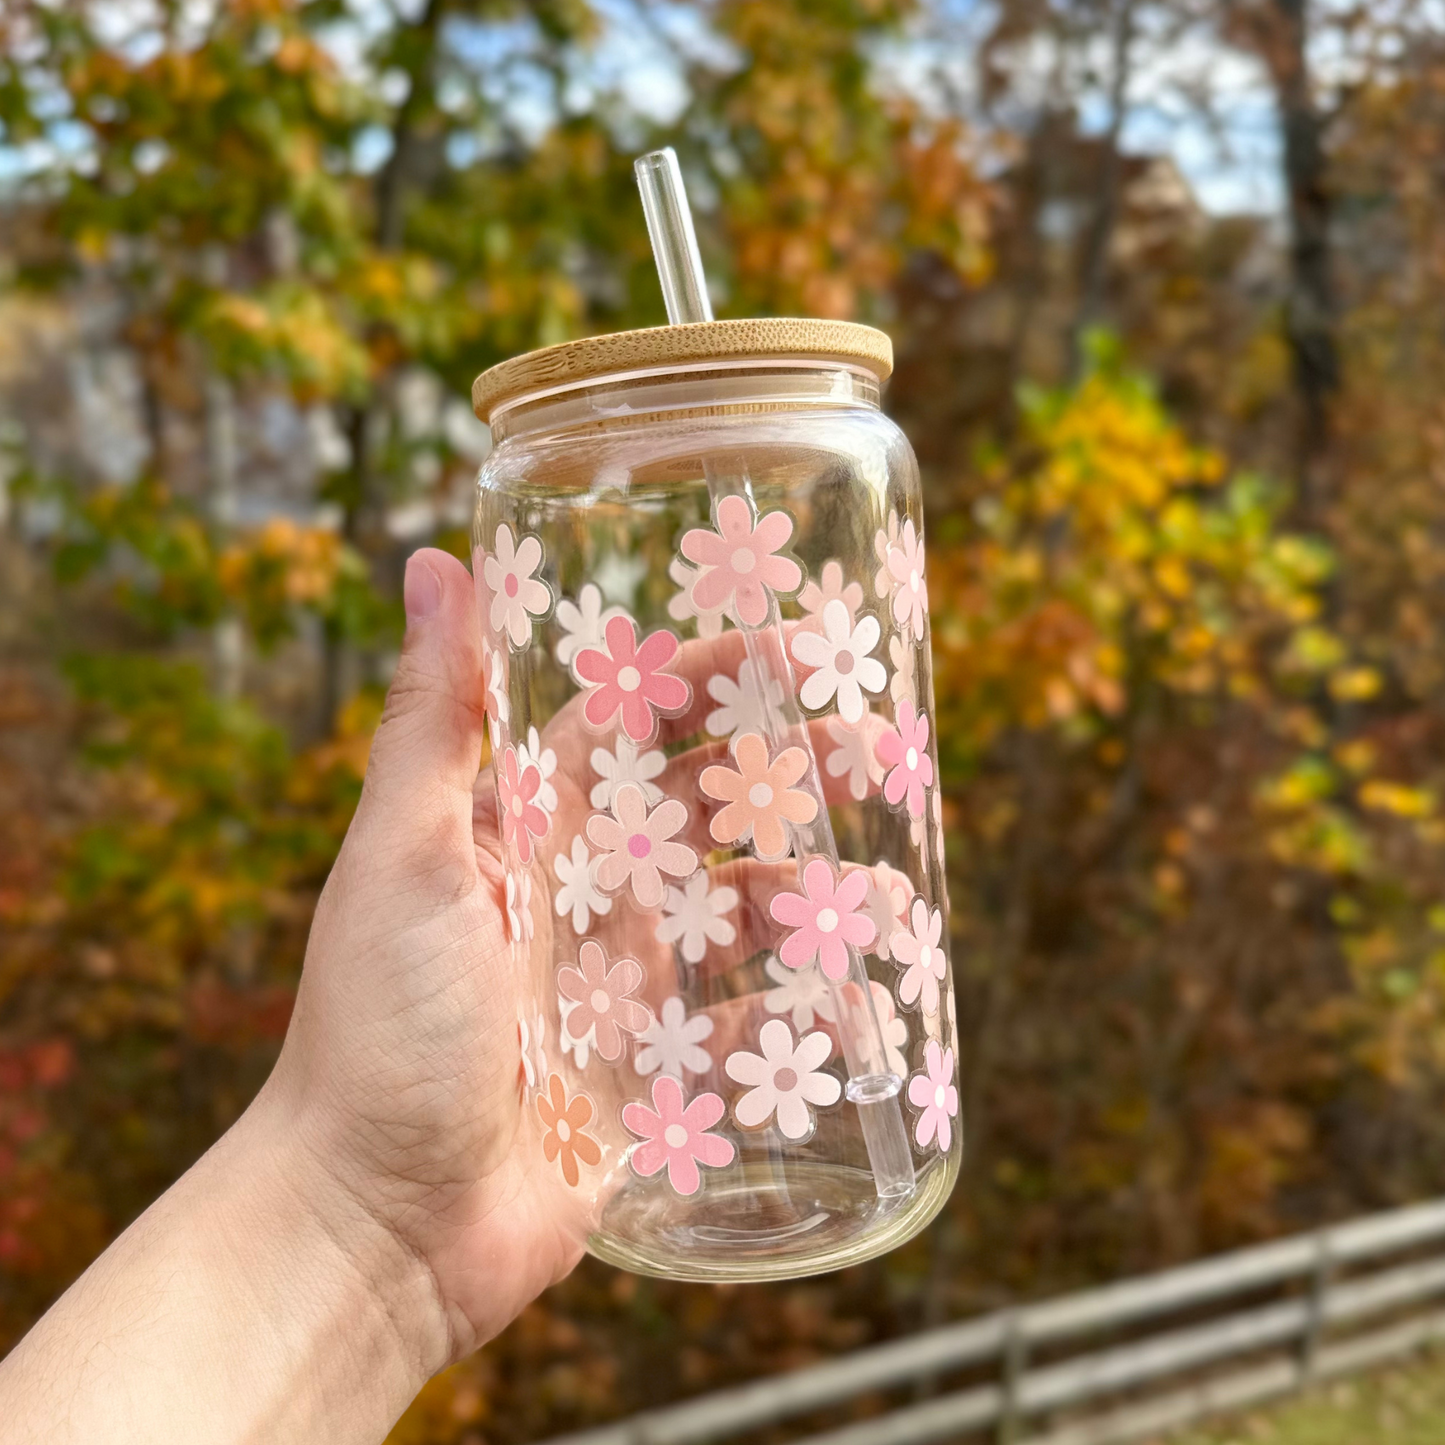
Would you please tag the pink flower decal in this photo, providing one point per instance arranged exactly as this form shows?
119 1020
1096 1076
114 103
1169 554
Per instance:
604 999
676 1136
933 1091
905 575
825 918
760 797
737 561
904 749
522 818
631 679
636 848
918 954
517 593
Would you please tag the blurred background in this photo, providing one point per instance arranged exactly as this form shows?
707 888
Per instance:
1166 280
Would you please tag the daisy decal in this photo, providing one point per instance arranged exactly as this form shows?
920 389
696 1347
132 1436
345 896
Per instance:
884 540
626 765
738 562
681 607
816 595
917 953
693 916
893 1028
760 797
494 683
904 682
579 894
604 999
523 818
534 1055
518 594
578 1049
519 907
672 1042
855 756
675 1137
904 566
785 1080
903 749
637 848
564 1123
886 904
803 993
842 667
632 680
533 754
934 1093
741 706
825 918
582 623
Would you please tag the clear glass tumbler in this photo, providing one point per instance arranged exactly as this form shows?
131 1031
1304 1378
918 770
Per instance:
700 571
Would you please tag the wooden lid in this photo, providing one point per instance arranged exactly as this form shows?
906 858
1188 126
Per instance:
663 346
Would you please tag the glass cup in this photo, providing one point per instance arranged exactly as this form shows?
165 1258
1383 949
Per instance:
700 571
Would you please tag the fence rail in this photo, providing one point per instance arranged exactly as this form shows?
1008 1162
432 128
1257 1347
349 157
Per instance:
1339 1278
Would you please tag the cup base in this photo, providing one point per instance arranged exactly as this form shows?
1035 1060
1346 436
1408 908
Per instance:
766 1222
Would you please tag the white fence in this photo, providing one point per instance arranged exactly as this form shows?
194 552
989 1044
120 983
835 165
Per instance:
1259 1323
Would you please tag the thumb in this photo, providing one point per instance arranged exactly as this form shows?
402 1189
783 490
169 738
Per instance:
416 801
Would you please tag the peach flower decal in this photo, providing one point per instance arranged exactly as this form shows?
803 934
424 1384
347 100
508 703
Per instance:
737 562
522 818
604 999
564 1120
760 797
631 679
636 845
903 749
825 918
675 1137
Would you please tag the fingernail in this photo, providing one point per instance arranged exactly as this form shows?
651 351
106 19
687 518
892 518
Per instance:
422 590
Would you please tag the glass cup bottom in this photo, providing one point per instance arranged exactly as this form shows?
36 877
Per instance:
779 1221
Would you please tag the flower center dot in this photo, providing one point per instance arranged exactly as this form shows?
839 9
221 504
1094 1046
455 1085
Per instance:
785 1080
742 561
564 1130
511 586
629 679
911 759
517 804
760 795
639 845
601 1000
913 580
940 1097
827 920
925 956
674 1136
844 663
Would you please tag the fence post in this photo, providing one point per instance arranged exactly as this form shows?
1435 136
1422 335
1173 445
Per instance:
1015 1365
1315 1308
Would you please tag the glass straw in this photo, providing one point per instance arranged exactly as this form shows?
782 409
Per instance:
872 1086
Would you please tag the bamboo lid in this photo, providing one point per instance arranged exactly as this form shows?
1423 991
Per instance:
764 338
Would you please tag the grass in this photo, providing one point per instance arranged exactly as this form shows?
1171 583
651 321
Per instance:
1405 1406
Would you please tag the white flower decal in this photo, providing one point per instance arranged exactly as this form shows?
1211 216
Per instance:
582 622
494 681
519 907
802 992
816 595
672 1042
681 607
785 1080
534 1055
545 761
694 915
579 894
741 707
626 765
855 757
883 542
518 595
842 666
580 1050
904 682
893 1028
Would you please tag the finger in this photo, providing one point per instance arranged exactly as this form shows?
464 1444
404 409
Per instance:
417 799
